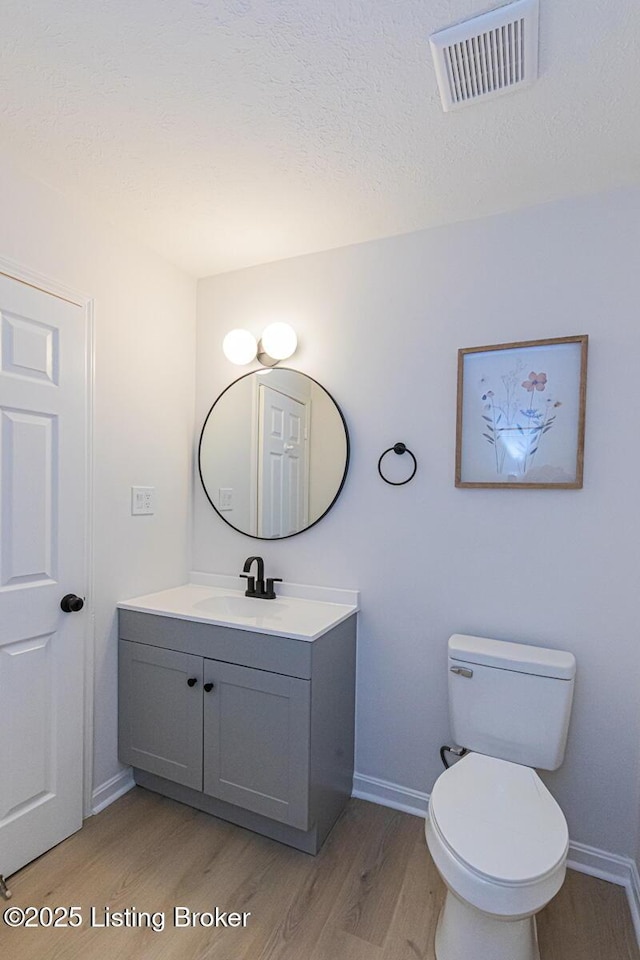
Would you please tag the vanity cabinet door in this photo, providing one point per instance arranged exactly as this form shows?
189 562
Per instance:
256 741
161 712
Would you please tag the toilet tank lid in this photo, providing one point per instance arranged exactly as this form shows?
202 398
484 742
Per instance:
520 657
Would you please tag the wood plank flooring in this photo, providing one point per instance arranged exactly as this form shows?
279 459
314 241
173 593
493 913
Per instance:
371 894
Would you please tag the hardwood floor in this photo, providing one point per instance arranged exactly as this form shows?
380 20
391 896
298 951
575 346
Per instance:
371 894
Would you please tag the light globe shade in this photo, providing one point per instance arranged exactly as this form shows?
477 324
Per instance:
240 346
279 340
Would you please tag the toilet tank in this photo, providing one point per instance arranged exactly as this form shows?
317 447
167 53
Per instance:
510 700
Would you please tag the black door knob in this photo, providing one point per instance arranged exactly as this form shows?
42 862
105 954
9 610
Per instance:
208 687
71 604
192 681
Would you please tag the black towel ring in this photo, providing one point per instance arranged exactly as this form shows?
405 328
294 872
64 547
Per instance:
398 448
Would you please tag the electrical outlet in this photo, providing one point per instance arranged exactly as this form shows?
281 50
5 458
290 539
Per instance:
142 501
225 498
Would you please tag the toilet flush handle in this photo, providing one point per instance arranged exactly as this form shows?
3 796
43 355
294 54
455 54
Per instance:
462 671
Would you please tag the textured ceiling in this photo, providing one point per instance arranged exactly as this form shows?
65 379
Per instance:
225 133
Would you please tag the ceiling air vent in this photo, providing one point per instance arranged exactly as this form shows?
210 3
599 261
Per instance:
488 55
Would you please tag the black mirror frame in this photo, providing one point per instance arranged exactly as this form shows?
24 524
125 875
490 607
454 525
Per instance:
344 475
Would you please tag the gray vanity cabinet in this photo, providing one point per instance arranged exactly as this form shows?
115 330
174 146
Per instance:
252 728
161 719
256 741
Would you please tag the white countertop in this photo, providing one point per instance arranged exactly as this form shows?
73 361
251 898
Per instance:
287 616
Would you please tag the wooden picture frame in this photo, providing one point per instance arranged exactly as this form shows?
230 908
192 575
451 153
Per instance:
521 414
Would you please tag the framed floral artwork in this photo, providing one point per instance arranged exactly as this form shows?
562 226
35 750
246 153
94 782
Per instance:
520 417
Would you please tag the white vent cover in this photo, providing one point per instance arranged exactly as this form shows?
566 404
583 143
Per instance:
488 55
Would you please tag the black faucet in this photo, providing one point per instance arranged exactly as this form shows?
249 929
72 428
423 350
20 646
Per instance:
256 587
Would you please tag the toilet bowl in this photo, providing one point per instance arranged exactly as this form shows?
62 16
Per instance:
499 841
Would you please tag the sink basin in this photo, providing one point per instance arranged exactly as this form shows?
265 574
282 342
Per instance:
241 608
295 617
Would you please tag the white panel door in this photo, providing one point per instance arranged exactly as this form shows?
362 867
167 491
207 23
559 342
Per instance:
283 488
42 558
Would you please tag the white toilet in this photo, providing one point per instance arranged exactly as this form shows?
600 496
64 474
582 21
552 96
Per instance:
496 835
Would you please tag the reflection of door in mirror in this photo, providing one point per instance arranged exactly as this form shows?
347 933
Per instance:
283 463
273 453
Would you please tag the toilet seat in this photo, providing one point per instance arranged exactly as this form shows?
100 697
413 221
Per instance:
499 821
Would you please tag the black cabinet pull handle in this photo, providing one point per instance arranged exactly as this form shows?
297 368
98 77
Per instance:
208 687
192 681
71 604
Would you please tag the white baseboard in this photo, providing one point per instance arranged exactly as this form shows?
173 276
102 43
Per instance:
596 863
599 863
390 795
111 790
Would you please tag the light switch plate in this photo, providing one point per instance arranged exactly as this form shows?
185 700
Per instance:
142 501
225 498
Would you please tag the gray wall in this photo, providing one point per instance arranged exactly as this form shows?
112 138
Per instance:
379 324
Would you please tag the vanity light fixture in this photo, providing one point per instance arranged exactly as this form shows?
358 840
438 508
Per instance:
278 342
240 346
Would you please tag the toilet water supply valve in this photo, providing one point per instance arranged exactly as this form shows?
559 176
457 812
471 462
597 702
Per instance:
456 751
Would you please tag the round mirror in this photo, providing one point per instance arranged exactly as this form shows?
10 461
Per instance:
274 453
